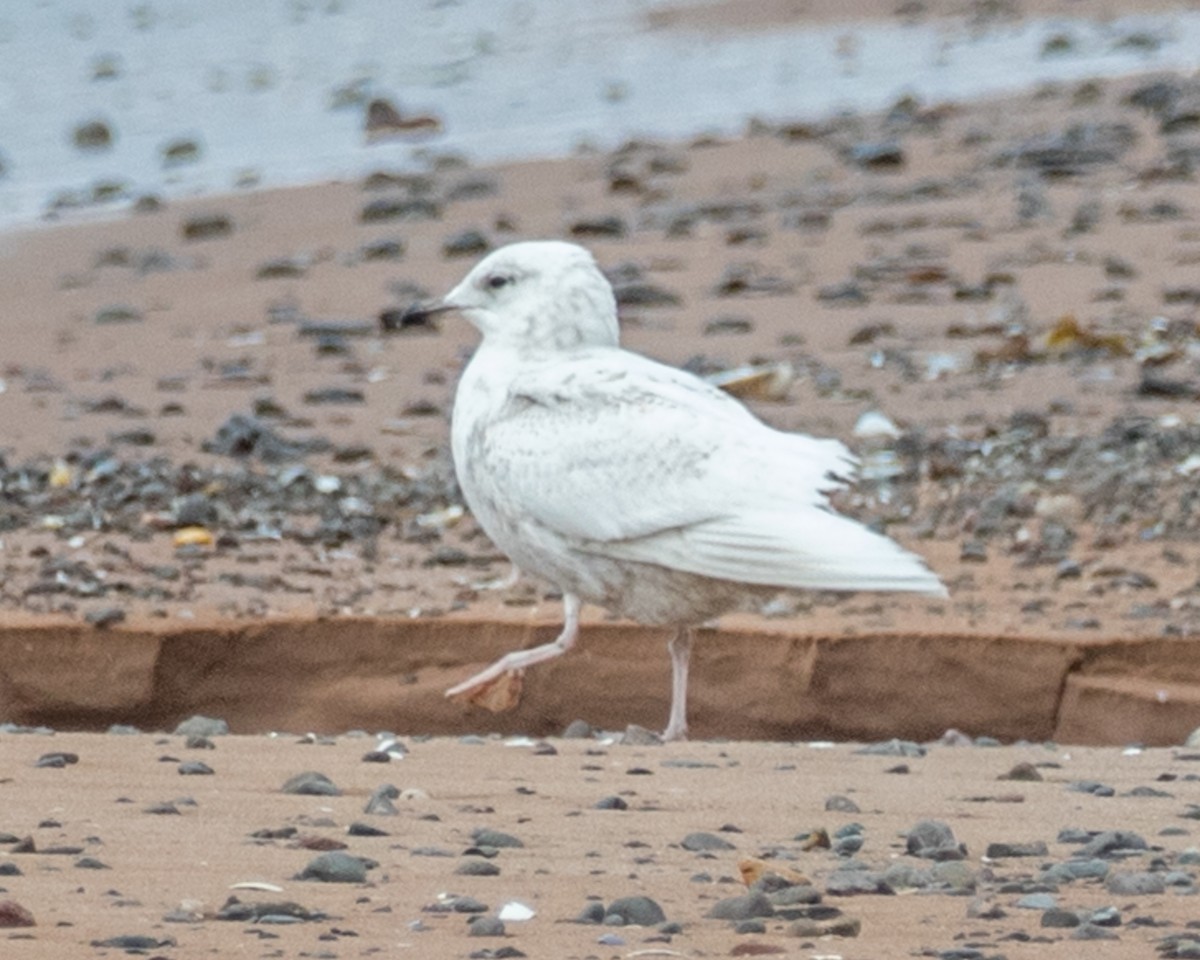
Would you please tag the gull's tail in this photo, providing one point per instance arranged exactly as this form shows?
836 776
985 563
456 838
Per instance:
819 550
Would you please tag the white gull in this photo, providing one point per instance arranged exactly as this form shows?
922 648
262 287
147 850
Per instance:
631 484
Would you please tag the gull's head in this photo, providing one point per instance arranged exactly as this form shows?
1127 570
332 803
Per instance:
545 294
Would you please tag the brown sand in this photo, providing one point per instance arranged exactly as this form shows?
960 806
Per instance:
295 635
759 797
1113 662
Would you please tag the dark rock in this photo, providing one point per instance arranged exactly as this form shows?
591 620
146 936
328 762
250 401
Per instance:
485 927
335 866
1023 772
933 840
392 208
194 768
1059 918
611 803
133 943
358 829
1135 883
415 318
477 867
846 883
93 136
380 802
118 313
334 396
91 863
12 914
998 851
636 911
887 155
200 726
486 837
57 760
468 243
1094 787
639 293
207 227
700 841
105 617
310 783
753 904
1111 841
837 803
602 226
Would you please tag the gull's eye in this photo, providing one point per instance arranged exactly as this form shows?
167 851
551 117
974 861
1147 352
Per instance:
498 280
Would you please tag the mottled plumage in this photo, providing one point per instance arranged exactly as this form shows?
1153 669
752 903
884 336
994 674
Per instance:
631 484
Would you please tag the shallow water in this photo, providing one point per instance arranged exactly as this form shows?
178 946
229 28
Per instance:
272 91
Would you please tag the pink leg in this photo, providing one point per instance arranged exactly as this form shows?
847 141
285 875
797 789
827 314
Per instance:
518 660
681 651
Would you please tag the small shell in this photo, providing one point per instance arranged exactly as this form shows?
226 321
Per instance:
192 536
260 885
768 381
515 910
874 425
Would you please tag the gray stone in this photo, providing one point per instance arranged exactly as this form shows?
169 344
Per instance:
1112 840
893 748
700 841
1059 918
1037 901
1000 851
477 867
846 883
311 784
1134 883
839 803
380 802
200 726
486 837
485 927
742 907
335 866
1089 931
194 768
636 911
933 840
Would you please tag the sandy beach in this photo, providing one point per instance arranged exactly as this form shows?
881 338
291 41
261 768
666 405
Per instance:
226 489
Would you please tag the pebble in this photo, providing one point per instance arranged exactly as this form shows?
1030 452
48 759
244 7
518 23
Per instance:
311 784
479 926
1112 841
637 911
57 760
743 907
13 914
335 867
201 726
893 748
1134 883
838 803
477 867
701 841
999 851
933 840
847 883
486 837
191 768
380 802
